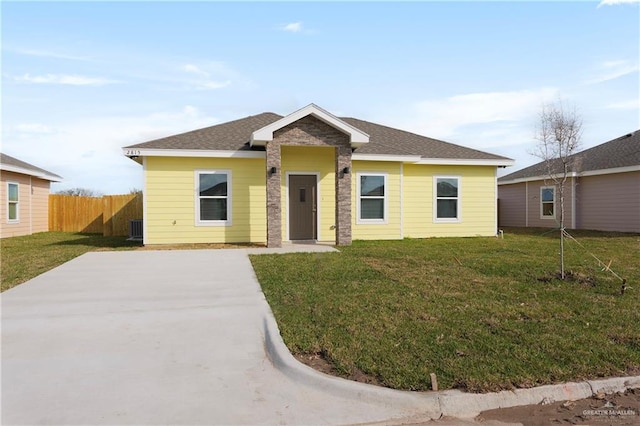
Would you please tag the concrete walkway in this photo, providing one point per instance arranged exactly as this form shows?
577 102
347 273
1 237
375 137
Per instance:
186 337
157 337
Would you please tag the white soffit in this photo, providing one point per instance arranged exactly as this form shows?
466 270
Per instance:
29 172
134 153
357 137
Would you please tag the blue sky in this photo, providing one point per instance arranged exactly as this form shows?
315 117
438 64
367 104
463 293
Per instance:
80 80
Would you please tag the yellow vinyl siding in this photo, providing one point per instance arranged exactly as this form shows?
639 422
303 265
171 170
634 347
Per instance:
476 205
392 229
312 159
170 191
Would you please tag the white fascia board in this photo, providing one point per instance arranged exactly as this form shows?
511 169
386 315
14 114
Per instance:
383 157
582 174
144 152
28 172
466 162
611 171
357 137
522 180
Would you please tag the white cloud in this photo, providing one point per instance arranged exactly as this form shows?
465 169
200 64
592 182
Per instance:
443 118
205 80
194 69
212 85
610 70
616 2
87 153
65 79
48 54
34 128
294 27
630 104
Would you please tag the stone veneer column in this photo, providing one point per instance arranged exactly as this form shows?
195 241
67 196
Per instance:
274 197
343 196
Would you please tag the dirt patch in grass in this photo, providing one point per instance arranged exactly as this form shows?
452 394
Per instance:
617 409
570 276
319 363
199 246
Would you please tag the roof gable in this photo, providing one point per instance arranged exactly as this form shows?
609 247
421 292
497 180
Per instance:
265 134
11 164
621 153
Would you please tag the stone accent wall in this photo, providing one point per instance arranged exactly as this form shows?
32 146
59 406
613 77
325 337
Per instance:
309 131
274 214
343 196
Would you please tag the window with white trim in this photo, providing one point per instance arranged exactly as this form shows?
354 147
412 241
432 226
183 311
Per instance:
213 197
13 202
547 202
372 198
446 198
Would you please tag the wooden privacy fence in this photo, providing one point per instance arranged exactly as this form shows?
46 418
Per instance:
108 215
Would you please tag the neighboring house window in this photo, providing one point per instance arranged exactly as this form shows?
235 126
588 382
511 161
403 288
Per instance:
447 198
372 198
213 197
547 202
13 202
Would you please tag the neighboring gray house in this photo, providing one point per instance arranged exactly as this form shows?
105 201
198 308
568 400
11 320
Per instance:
602 193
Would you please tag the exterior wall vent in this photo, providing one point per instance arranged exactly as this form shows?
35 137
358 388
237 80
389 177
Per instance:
135 230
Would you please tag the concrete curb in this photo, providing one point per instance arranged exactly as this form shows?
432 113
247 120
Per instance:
411 403
429 405
432 405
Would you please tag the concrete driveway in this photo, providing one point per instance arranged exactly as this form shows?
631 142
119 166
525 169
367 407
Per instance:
166 337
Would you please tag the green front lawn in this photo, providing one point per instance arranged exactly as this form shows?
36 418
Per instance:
482 313
26 257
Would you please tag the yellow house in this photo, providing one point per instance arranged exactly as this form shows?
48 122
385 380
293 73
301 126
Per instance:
24 196
312 176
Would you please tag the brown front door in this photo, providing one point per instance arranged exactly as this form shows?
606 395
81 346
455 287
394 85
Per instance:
302 207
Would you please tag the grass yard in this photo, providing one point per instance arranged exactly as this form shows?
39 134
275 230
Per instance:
25 257
484 314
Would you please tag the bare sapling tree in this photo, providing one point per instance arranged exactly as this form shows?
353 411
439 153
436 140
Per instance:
559 134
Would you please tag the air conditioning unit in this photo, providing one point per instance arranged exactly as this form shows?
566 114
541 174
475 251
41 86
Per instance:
135 230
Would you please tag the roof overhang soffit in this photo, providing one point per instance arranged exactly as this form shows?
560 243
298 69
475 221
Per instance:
29 172
356 137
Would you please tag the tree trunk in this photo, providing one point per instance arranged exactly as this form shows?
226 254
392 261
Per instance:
562 252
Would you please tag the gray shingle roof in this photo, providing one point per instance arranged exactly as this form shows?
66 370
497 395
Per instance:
11 162
620 152
230 136
235 136
390 141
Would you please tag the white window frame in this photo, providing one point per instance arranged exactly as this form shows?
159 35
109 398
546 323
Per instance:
542 215
197 198
458 199
17 203
384 197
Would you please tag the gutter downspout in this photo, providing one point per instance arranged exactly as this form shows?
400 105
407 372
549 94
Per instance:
401 201
145 222
495 205
30 205
573 201
526 204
